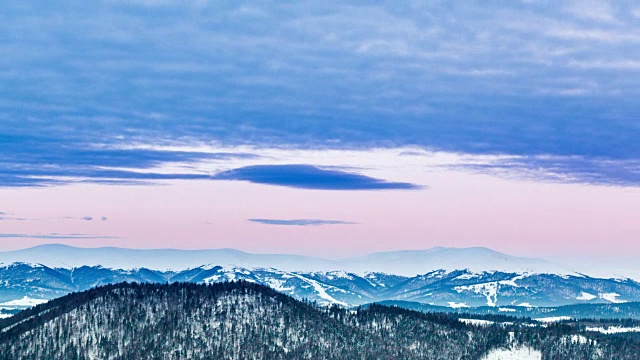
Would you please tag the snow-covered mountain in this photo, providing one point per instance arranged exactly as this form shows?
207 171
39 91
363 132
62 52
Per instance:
482 277
25 284
475 259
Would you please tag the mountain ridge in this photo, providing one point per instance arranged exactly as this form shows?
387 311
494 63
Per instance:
403 262
458 288
455 278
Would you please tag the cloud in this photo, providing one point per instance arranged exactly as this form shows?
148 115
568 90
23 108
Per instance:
593 11
32 162
310 177
103 218
55 236
10 216
301 222
87 218
526 78
561 169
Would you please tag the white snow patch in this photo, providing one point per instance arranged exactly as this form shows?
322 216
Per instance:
578 339
25 301
477 322
489 290
229 272
521 353
525 304
467 276
612 297
553 319
18 263
4 316
436 273
340 275
456 305
512 282
613 329
480 322
278 285
211 279
585 296
320 290
506 309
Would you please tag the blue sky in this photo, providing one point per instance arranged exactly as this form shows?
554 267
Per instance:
413 105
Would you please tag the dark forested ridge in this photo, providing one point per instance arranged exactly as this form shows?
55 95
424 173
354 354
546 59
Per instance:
241 320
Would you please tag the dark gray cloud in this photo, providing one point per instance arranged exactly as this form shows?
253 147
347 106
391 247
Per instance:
310 177
300 222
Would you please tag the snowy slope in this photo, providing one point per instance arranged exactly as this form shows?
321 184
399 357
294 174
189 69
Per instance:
521 353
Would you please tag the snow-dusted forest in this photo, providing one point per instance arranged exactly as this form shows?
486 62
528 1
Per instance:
241 320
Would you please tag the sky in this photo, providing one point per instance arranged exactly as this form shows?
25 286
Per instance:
322 128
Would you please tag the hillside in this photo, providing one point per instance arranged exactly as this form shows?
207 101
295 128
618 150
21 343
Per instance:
249 321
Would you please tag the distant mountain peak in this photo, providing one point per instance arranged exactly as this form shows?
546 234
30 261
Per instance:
400 262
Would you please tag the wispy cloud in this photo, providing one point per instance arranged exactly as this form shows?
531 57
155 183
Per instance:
42 162
561 169
301 222
311 177
10 216
55 236
91 218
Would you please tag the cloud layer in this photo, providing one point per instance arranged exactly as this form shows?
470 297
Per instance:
523 78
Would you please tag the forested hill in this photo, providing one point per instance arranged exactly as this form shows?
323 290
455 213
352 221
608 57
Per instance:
242 320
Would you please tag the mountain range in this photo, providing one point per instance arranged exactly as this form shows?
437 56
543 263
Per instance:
460 279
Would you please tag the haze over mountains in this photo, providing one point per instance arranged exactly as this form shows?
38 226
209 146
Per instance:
405 263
